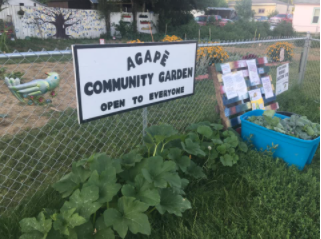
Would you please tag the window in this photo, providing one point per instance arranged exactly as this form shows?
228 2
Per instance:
35 4
261 10
316 15
21 4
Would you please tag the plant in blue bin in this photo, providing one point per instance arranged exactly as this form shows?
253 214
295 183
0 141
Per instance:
296 126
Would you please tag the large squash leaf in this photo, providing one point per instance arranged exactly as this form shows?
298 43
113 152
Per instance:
192 148
71 181
67 220
106 183
172 203
84 201
35 228
159 172
142 190
128 215
103 232
182 162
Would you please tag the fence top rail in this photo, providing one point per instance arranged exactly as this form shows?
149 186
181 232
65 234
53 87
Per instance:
68 52
313 39
250 42
34 54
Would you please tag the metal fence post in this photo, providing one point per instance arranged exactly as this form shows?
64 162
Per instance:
145 120
304 58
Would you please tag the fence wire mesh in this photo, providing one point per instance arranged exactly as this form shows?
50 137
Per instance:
38 143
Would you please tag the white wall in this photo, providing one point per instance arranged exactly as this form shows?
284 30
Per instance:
142 27
302 19
29 3
85 23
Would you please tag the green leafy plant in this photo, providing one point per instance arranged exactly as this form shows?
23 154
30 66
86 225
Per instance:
215 144
296 126
105 196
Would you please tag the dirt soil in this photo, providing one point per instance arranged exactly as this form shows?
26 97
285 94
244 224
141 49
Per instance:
22 116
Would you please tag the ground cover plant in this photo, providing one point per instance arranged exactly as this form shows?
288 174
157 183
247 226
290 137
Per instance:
106 195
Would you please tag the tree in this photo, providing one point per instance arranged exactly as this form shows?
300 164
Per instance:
244 9
2 3
57 18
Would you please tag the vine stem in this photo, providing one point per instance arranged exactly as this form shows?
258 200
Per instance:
150 211
94 219
155 150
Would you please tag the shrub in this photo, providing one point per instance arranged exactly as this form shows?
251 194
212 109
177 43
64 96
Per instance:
273 51
283 29
274 13
214 54
135 41
173 38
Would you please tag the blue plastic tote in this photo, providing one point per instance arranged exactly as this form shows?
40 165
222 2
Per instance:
292 150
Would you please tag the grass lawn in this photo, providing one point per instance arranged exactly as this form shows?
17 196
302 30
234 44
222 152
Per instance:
257 198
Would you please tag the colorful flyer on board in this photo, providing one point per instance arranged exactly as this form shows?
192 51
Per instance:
256 99
239 84
228 81
267 86
254 76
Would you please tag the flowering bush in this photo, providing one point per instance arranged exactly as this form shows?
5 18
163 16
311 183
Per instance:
273 51
215 54
171 38
135 41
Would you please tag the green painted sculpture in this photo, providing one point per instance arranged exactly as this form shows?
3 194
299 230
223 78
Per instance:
32 88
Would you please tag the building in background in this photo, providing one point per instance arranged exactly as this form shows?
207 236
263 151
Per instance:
266 7
74 4
306 16
26 3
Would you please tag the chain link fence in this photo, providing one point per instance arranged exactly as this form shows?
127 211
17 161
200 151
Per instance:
38 143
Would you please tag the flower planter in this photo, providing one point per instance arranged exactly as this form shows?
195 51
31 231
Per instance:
292 150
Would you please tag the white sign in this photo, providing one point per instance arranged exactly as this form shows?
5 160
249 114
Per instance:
282 54
114 78
254 76
101 41
234 85
282 79
268 91
226 68
228 81
240 85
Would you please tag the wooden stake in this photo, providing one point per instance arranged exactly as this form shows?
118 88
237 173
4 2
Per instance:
213 75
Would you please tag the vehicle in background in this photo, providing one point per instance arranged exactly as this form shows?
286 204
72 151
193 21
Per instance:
281 18
261 19
203 20
223 22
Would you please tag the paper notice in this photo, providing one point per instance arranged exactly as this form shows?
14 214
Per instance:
282 54
254 76
239 84
268 91
256 99
282 79
226 68
228 81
